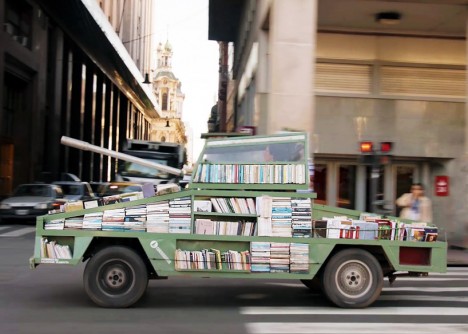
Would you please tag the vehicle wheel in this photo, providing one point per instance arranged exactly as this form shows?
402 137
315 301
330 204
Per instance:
353 278
313 284
115 277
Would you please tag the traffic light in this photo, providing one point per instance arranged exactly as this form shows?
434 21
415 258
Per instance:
371 156
367 147
386 147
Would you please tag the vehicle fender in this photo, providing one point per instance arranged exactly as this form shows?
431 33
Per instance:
80 246
160 251
318 254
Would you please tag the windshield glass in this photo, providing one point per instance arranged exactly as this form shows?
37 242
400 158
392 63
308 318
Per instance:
127 168
33 190
257 153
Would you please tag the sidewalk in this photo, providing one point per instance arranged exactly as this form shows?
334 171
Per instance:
457 256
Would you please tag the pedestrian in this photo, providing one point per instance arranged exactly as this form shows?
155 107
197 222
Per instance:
416 206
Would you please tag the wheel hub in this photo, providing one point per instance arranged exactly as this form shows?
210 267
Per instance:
353 279
116 278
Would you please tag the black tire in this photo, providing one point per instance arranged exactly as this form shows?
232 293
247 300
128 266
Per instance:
313 284
353 278
115 277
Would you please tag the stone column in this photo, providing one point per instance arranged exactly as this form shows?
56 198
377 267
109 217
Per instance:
292 40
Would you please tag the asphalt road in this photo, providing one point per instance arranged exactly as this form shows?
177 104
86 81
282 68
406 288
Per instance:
50 299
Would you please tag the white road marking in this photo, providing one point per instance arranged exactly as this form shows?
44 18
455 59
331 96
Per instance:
426 289
426 311
424 298
352 328
19 232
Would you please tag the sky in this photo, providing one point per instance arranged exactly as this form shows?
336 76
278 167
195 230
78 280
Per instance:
195 59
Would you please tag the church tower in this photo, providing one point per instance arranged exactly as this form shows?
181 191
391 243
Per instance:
167 88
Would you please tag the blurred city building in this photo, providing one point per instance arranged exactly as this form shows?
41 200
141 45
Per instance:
352 70
73 68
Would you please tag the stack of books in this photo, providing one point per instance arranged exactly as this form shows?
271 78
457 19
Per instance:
260 257
55 224
301 217
198 260
233 260
299 260
53 250
157 217
180 210
279 257
281 217
252 173
92 221
74 223
113 220
135 218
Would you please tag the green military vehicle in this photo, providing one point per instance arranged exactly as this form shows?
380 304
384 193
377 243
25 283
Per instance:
247 213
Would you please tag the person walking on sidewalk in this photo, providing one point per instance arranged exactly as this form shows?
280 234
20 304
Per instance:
416 206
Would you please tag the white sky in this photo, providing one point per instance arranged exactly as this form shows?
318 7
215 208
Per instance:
194 61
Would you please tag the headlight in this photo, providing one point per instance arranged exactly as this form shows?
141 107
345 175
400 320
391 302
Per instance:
42 206
5 206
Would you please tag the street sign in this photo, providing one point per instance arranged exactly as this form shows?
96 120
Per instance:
441 185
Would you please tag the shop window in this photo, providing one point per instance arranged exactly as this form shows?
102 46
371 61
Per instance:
346 187
320 183
404 180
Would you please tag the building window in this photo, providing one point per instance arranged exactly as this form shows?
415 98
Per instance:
346 186
405 177
320 183
18 21
164 101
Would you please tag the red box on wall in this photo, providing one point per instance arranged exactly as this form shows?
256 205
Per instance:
442 185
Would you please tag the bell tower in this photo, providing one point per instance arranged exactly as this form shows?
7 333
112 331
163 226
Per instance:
167 88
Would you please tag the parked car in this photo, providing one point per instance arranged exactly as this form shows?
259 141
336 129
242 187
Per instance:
31 200
97 186
76 191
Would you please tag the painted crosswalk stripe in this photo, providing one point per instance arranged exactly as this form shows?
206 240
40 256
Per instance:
426 289
352 328
428 279
5 227
425 298
20 232
426 311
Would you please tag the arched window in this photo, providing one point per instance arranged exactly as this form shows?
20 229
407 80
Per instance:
164 101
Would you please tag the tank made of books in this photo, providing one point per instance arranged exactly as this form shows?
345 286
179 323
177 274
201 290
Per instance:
248 213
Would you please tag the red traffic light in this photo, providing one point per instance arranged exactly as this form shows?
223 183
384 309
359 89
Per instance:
366 147
386 146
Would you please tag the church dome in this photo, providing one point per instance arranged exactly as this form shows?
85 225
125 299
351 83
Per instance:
168 46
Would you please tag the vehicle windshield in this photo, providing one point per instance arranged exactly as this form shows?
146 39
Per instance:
33 190
127 168
255 153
